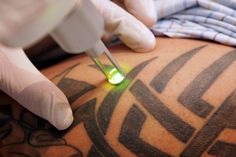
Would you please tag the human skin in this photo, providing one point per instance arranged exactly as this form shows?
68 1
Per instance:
177 100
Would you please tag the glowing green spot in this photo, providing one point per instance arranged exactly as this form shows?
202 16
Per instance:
112 71
115 77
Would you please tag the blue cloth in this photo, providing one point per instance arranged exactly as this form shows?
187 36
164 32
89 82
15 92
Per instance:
202 19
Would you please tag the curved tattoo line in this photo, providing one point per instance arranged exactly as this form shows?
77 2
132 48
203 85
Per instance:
169 120
5 133
14 143
220 120
27 131
110 101
65 72
39 145
8 110
130 131
73 89
37 141
223 149
161 80
191 96
86 114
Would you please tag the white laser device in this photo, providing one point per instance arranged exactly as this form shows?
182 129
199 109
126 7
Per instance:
76 25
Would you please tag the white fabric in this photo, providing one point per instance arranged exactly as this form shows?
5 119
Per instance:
203 19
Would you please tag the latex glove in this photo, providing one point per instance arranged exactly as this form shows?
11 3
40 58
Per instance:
23 82
18 77
128 23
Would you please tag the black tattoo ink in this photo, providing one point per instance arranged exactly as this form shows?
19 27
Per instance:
129 135
94 152
73 89
86 114
110 101
191 96
36 134
161 80
43 138
221 119
176 126
223 149
65 72
32 123
5 130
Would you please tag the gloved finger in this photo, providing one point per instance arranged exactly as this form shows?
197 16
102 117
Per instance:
144 10
23 82
122 24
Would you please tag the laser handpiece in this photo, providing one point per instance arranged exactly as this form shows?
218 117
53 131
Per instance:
114 74
75 25
72 35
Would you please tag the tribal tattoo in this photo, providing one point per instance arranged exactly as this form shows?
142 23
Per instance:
96 117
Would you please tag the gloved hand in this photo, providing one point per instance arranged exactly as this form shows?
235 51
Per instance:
23 82
127 21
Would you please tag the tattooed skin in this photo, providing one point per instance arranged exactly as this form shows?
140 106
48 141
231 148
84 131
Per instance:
175 109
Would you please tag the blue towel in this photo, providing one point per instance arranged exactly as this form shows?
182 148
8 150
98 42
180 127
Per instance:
202 19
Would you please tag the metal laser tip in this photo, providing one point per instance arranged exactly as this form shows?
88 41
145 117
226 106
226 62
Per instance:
114 62
114 75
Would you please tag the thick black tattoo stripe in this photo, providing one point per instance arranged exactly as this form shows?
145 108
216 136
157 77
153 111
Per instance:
65 72
130 131
73 89
191 96
167 118
221 119
223 149
93 152
161 80
110 101
86 114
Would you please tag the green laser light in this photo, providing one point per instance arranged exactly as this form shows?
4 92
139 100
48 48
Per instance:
115 77
114 74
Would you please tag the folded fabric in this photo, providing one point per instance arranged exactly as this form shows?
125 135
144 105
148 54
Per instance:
202 19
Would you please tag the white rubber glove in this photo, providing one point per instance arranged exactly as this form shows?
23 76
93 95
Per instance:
23 82
130 26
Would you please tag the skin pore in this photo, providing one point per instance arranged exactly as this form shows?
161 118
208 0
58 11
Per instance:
178 100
